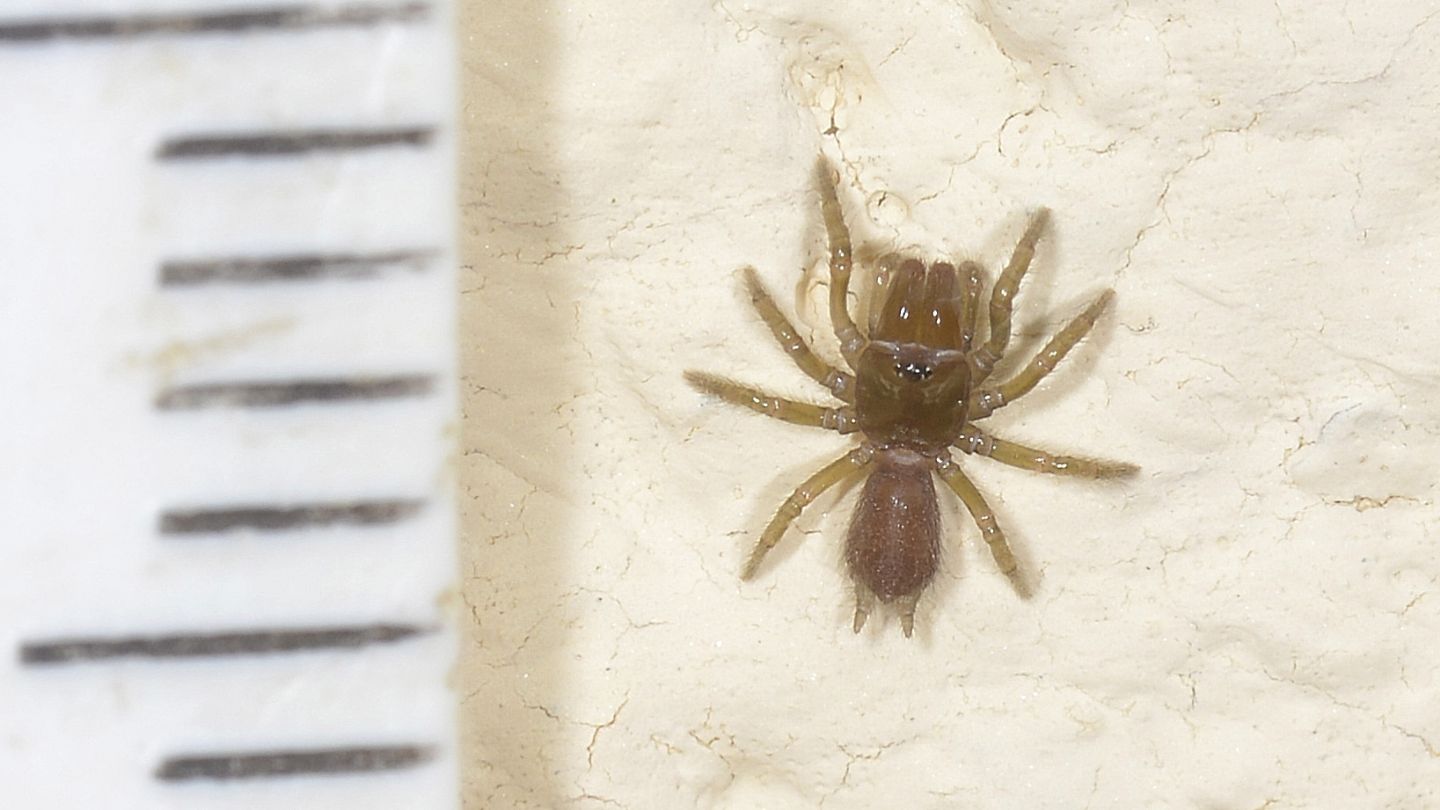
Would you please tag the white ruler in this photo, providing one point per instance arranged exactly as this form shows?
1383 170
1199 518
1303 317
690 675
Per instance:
227 404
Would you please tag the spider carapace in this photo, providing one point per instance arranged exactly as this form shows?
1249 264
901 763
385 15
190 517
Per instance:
920 380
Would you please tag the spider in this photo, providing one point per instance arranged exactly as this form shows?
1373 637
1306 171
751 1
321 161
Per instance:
917 384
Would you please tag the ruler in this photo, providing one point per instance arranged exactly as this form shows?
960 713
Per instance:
227 404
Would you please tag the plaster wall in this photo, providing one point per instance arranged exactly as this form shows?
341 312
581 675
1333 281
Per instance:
1251 622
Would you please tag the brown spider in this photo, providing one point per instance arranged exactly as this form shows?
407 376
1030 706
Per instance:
918 385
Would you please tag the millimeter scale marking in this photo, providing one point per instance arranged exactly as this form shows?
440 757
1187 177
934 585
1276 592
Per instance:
253 765
293 267
229 21
380 668
293 142
272 517
199 645
275 393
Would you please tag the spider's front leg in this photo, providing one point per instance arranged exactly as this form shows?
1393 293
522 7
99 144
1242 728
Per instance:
841 258
991 398
1002 296
842 385
841 420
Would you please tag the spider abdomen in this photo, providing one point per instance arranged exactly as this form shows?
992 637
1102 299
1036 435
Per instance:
894 542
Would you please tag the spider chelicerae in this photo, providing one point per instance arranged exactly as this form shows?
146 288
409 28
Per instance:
917 384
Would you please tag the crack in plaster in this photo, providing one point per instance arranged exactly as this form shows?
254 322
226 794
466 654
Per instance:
1430 748
597 728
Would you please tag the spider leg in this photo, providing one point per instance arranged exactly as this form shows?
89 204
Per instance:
841 256
828 476
840 384
984 518
974 440
1002 297
991 398
841 420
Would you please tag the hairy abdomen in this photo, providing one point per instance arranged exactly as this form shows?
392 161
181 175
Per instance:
894 542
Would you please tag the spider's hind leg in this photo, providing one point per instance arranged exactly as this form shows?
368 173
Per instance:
828 476
984 518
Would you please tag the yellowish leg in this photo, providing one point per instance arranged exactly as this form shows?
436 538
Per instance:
1002 297
830 475
841 256
787 410
984 517
991 399
974 440
840 384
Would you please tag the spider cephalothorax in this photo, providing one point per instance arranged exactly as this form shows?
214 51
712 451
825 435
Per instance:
919 382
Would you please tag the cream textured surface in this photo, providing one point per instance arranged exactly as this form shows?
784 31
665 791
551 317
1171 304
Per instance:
1252 622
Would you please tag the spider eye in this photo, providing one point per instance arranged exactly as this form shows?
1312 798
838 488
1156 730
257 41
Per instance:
913 371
